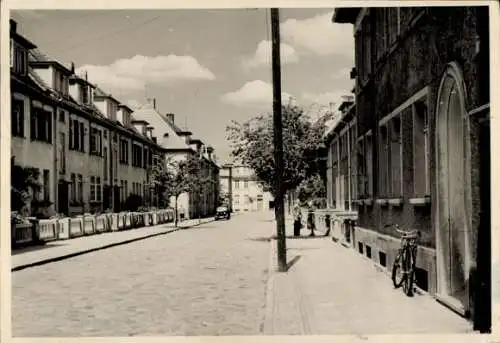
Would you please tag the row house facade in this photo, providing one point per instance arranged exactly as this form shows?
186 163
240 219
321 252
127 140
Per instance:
242 189
344 176
179 144
422 121
90 153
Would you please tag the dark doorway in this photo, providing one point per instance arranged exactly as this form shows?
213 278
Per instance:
107 197
63 197
116 199
271 205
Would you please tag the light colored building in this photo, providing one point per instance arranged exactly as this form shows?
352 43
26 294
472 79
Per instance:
243 190
68 129
179 144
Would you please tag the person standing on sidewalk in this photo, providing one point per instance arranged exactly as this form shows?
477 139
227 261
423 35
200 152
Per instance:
297 221
310 221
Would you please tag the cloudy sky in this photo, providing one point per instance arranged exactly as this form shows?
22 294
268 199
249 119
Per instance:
206 66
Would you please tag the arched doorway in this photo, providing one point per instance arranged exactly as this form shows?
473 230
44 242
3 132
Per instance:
453 192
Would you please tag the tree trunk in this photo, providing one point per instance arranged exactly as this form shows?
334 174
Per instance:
176 214
279 212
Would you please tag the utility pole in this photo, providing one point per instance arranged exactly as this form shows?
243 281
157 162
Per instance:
279 209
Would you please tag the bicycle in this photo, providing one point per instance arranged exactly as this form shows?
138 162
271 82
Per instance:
405 260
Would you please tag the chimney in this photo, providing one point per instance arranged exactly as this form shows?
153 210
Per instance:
72 67
152 102
170 117
210 150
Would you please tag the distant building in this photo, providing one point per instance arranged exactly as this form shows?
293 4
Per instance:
423 130
242 189
179 144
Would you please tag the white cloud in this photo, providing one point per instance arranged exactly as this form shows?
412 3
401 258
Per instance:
263 55
319 35
253 93
134 73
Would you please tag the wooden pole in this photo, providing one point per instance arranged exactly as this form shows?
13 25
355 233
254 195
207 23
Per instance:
278 141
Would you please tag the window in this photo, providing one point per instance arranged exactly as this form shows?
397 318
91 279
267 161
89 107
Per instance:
46 185
62 83
124 146
76 135
40 125
361 167
105 155
353 176
80 187
95 189
62 153
84 94
393 22
335 171
383 161
17 117
62 117
11 53
145 158
245 184
381 39
73 196
421 186
390 159
95 141
236 184
122 190
125 183
92 189
19 59
98 189
136 155
369 164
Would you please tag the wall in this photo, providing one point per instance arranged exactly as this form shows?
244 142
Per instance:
34 154
438 38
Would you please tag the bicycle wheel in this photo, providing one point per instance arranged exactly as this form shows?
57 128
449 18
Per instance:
408 267
397 275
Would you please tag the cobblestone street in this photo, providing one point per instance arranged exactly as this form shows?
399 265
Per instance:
206 280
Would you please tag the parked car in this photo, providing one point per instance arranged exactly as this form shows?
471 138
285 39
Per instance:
222 212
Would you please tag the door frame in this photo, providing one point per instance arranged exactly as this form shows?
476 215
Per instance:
442 283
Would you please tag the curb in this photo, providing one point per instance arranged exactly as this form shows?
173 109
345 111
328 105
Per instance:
267 326
86 251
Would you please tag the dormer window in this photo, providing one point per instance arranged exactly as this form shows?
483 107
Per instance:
61 83
18 58
85 95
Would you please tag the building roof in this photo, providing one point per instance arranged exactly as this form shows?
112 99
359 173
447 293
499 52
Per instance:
19 38
346 15
158 120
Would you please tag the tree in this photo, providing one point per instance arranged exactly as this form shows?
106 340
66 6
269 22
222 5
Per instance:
252 145
196 179
24 183
177 177
312 188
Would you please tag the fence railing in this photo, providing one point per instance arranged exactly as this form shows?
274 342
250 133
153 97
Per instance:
46 230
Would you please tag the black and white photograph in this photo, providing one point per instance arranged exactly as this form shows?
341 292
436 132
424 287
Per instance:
248 171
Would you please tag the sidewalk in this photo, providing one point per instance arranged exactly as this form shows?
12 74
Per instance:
59 250
330 289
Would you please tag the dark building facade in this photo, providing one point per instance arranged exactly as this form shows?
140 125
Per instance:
422 106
